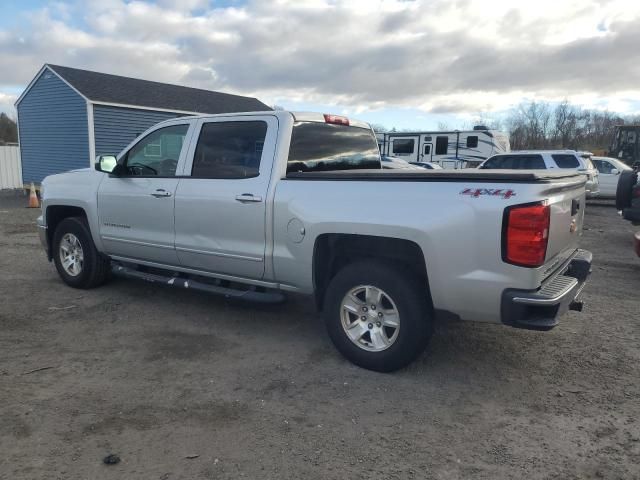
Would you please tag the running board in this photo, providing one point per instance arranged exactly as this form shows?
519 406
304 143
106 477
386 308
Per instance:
189 283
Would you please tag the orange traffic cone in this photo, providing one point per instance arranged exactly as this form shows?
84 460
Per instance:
33 197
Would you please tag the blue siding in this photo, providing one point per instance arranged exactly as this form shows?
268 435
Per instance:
116 127
53 129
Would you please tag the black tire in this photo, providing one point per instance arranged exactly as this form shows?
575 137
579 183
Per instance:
95 268
624 190
408 294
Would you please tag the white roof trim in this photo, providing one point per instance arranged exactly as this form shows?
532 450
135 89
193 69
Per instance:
40 72
141 107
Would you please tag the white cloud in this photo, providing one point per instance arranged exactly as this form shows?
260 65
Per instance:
6 104
441 56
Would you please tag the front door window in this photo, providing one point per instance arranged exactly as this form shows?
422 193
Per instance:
157 154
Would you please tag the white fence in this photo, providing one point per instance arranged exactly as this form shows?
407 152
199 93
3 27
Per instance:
10 167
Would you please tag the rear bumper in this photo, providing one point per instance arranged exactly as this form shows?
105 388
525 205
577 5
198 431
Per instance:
540 309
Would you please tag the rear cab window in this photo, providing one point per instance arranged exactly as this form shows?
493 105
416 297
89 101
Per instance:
323 147
515 162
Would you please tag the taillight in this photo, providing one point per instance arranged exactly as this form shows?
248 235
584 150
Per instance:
525 234
336 119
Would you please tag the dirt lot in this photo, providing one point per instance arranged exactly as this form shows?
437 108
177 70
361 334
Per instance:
156 375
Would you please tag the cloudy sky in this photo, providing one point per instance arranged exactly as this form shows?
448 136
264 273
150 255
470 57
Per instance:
409 64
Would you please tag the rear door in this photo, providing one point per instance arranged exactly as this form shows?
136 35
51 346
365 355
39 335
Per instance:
220 209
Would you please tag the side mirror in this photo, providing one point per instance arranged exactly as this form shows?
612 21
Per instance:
106 163
615 171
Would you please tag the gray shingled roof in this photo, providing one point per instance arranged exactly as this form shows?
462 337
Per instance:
103 87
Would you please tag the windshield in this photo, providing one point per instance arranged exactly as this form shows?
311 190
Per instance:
321 147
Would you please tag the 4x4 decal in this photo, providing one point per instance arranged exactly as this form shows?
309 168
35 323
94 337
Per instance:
492 192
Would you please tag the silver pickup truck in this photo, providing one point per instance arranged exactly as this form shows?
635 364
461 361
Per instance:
256 204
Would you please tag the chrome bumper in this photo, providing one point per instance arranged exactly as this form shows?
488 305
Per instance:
540 309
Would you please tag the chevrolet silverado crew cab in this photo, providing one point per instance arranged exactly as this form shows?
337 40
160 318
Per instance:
252 205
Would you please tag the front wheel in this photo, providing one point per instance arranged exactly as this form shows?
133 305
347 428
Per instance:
77 260
377 315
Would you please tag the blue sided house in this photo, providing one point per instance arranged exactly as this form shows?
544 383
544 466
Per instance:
67 116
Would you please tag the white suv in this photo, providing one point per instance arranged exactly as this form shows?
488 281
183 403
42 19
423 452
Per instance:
546 160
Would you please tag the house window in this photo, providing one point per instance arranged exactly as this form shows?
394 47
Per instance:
442 145
153 149
403 146
472 141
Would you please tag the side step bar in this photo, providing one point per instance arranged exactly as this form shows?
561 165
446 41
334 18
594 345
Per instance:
248 294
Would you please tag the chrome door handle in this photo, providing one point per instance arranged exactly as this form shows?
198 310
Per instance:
248 197
161 193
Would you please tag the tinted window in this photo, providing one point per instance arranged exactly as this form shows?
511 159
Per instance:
319 146
566 160
427 149
157 153
403 146
229 150
472 141
442 144
514 162
603 166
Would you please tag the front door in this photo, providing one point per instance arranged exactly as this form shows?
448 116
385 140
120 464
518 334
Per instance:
221 209
136 209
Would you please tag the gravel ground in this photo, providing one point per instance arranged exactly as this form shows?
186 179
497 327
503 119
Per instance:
156 376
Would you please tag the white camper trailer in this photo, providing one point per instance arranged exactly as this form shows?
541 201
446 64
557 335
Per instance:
457 149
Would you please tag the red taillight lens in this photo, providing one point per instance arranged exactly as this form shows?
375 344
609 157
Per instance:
336 119
526 233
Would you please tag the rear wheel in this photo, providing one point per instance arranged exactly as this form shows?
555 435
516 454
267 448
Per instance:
377 315
76 258
624 190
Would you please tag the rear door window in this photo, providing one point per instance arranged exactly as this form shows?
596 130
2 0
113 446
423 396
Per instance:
318 147
229 150
565 160
515 162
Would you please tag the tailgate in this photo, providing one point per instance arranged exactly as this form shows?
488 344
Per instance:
567 215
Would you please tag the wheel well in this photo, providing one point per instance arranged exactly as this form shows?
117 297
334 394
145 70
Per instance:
333 251
55 214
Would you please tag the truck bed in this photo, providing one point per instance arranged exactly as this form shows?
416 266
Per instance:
493 176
